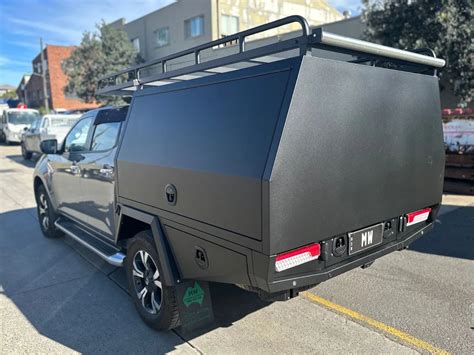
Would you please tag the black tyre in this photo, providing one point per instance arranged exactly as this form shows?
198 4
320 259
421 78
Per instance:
155 302
46 214
26 154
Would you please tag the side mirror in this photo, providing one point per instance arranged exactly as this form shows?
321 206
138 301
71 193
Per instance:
25 129
49 146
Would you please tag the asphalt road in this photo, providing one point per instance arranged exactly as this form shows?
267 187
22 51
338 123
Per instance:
57 297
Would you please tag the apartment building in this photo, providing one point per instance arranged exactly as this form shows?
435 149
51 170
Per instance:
31 91
187 23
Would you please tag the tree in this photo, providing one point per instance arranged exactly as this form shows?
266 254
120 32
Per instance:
442 25
100 53
10 94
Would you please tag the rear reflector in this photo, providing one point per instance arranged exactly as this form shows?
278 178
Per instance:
297 257
418 216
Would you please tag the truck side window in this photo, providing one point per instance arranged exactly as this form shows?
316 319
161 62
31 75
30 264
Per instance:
77 138
105 136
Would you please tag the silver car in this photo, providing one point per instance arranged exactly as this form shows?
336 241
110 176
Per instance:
46 127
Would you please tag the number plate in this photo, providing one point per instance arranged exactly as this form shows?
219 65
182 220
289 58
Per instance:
365 238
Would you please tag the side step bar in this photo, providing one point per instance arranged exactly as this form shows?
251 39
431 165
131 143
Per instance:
103 249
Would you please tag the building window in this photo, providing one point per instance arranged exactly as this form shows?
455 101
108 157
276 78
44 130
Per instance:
229 25
136 44
194 27
162 37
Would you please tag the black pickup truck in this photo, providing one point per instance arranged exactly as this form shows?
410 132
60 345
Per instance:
274 175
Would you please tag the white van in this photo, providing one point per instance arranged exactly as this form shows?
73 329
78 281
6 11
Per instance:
14 121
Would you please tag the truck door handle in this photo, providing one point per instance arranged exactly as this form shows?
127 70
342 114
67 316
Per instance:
106 170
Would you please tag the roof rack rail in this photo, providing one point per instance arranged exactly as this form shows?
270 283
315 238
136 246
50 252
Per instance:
126 81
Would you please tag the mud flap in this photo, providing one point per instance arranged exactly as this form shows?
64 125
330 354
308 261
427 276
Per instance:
194 305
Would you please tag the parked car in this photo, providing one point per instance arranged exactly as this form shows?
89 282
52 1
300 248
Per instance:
76 111
3 106
13 123
43 128
58 111
274 177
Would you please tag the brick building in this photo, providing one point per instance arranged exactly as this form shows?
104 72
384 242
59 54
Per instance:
32 91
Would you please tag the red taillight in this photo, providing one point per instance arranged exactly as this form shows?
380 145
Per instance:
297 257
418 216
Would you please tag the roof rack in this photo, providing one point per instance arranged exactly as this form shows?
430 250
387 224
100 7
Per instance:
126 81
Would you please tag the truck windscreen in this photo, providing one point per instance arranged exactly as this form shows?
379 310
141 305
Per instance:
67 122
25 117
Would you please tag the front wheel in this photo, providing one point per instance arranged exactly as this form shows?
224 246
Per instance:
46 214
155 302
25 153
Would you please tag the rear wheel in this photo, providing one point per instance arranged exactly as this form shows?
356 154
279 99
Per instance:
155 302
46 214
26 154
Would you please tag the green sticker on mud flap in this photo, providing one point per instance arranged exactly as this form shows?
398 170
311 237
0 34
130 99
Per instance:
193 294
194 306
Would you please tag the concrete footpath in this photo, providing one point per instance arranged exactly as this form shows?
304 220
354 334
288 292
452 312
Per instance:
57 297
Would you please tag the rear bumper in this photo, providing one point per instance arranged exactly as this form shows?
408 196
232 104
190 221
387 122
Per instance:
326 274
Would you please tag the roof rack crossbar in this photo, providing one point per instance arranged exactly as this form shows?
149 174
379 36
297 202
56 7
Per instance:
317 39
352 44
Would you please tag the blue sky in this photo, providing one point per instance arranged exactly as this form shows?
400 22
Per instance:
62 22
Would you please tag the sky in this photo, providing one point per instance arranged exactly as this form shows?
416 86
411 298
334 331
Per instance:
62 22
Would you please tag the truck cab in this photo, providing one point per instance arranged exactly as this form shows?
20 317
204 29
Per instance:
81 172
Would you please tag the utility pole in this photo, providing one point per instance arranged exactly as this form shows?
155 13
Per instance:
43 76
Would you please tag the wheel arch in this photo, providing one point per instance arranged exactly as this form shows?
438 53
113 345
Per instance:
37 182
131 222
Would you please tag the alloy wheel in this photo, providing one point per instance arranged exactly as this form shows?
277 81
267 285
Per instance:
146 278
43 211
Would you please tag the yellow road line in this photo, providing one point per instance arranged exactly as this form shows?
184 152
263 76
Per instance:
405 337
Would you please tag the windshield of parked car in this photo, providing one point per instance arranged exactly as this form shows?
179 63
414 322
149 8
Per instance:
62 121
22 117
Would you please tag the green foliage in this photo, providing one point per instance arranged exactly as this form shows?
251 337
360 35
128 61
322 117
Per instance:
99 53
10 94
42 110
442 25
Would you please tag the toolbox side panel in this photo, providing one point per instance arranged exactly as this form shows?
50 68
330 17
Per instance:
221 264
211 141
360 145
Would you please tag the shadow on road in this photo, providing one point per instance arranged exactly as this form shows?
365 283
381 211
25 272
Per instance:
20 160
80 306
453 235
